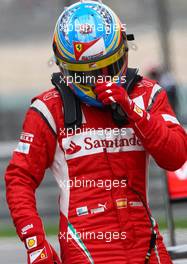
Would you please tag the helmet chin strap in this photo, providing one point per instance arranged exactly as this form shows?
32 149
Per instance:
122 73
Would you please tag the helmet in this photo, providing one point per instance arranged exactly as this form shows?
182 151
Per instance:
90 44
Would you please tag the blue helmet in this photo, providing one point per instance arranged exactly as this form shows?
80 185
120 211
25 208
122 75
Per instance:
90 44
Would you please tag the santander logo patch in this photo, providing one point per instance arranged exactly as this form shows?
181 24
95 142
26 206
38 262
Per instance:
84 144
111 143
73 148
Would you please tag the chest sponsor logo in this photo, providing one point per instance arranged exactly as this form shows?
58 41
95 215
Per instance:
110 143
103 205
135 204
100 209
82 210
50 95
85 144
121 203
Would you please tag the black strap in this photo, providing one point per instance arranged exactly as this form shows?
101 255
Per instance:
151 247
153 238
132 77
72 108
153 100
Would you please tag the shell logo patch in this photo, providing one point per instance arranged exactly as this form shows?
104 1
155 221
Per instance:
43 255
31 242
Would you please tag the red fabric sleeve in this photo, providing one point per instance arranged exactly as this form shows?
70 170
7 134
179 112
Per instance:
164 139
26 170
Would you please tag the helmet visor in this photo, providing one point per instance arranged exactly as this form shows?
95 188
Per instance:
91 77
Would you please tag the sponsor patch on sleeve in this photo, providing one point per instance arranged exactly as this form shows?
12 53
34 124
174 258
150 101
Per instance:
23 147
31 242
38 255
28 137
26 228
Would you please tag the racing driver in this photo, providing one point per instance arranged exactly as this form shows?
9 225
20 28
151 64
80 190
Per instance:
117 119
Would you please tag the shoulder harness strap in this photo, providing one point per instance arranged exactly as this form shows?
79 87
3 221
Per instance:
72 108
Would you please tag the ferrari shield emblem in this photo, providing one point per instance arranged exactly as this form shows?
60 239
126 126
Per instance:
78 47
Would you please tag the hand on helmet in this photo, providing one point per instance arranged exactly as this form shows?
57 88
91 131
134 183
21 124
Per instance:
109 93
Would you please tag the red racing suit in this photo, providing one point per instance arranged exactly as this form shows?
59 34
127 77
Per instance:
101 171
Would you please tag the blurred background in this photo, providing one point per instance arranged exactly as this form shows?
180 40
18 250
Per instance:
26 65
